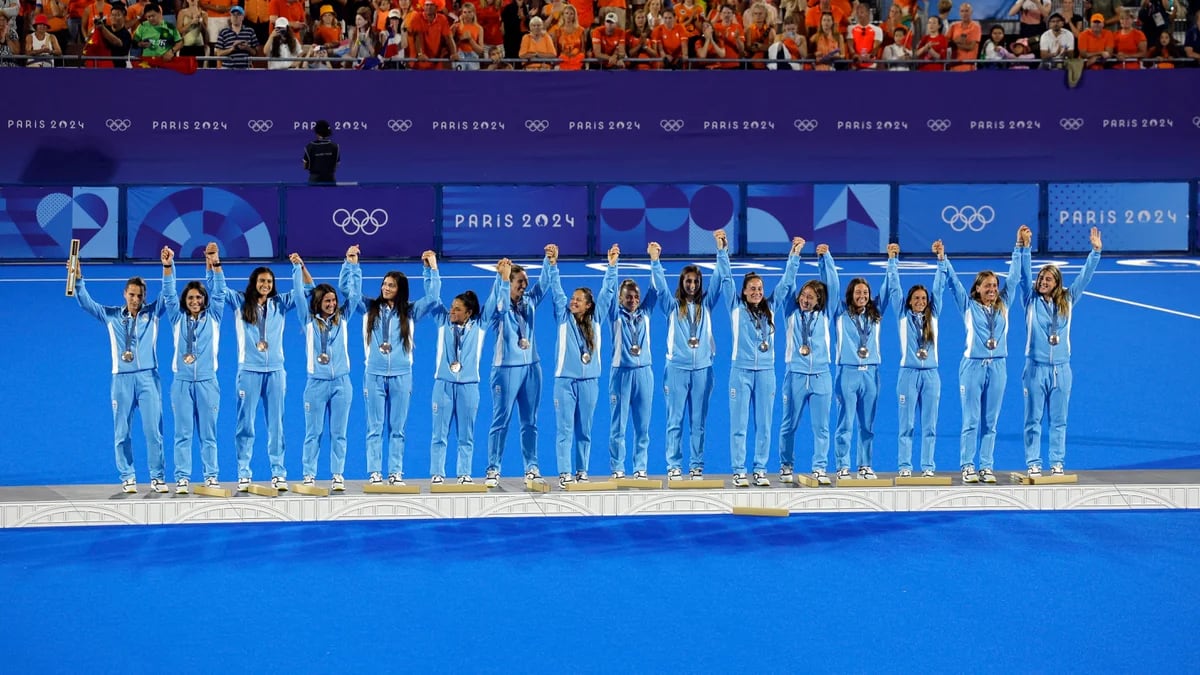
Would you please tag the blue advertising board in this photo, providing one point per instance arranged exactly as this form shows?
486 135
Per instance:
680 216
1131 216
850 218
968 218
40 222
511 220
244 221
385 222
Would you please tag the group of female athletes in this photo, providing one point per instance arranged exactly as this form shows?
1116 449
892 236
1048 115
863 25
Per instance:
816 326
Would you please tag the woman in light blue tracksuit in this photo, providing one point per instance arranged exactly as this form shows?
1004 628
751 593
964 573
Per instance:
576 375
631 379
688 381
806 380
456 383
856 385
133 344
1049 308
195 393
261 378
516 376
388 325
328 391
752 373
983 372
918 384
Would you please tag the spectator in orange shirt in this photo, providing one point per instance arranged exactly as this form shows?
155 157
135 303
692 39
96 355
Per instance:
864 38
812 18
468 38
1162 54
328 33
75 20
569 38
964 37
615 7
934 46
827 44
759 35
687 15
100 8
790 44
552 14
1096 44
585 10
608 44
640 43
293 11
896 18
429 35
56 17
732 38
770 9
537 47
218 17
257 17
379 17
706 45
1129 44
672 41
487 13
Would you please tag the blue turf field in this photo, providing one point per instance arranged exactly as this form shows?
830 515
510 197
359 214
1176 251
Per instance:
1135 381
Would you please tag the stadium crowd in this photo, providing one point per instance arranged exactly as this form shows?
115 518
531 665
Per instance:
596 34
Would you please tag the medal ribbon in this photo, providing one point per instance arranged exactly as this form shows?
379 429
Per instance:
129 331
631 328
991 317
191 335
918 325
519 311
807 319
324 328
262 322
693 322
385 316
584 346
1052 310
757 317
459 332
864 328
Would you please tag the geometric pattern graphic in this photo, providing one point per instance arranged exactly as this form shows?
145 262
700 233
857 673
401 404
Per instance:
849 218
244 221
680 217
39 222
1132 216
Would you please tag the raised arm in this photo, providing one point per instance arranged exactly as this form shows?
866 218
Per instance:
300 277
1012 284
722 272
606 304
827 270
939 280
432 282
350 281
658 282
549 275
1089 267
785 290
956 288
554 283
889 292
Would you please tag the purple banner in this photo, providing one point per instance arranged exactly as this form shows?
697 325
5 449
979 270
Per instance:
489 220
682 218
244 221
386 222
693 127
39 223
851 218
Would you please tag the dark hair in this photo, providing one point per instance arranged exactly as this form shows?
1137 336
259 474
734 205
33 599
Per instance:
183 296
627 283
871 310
1054 16
401 303
927 331
318 296
585 322
681 296
152 7
937 18
819 289
763 306
975 288
470 301
515 269
249 308
322 128
135 281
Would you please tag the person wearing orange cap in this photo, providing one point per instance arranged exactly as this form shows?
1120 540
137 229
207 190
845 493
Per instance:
1096 44
41 43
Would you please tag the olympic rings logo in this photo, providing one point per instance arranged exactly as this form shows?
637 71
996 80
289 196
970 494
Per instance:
671 126
938 125
968 217
805 125
399 126
360 221
118 125
1196 121
537 126
260 126
1071 123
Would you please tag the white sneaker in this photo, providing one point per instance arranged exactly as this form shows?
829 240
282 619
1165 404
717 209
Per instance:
821 478
279 483
640 475
1057 470
181 486
969 475
129 487
786 475
212 482
618 475
986 476
564 479
760 479
465 480
339 483
582 477
375 478
395 479
696 474
866 473
534 476
1035 471
308 480
928 473
674 474
906 473
739 480
492 479
437 480
243 484
843 473
157 485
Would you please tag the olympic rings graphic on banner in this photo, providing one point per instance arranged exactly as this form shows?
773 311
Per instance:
805 125
399 126
360 221
260 126
968 217
1071 123
537 126
671 126
118 125
1196 121
938 125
